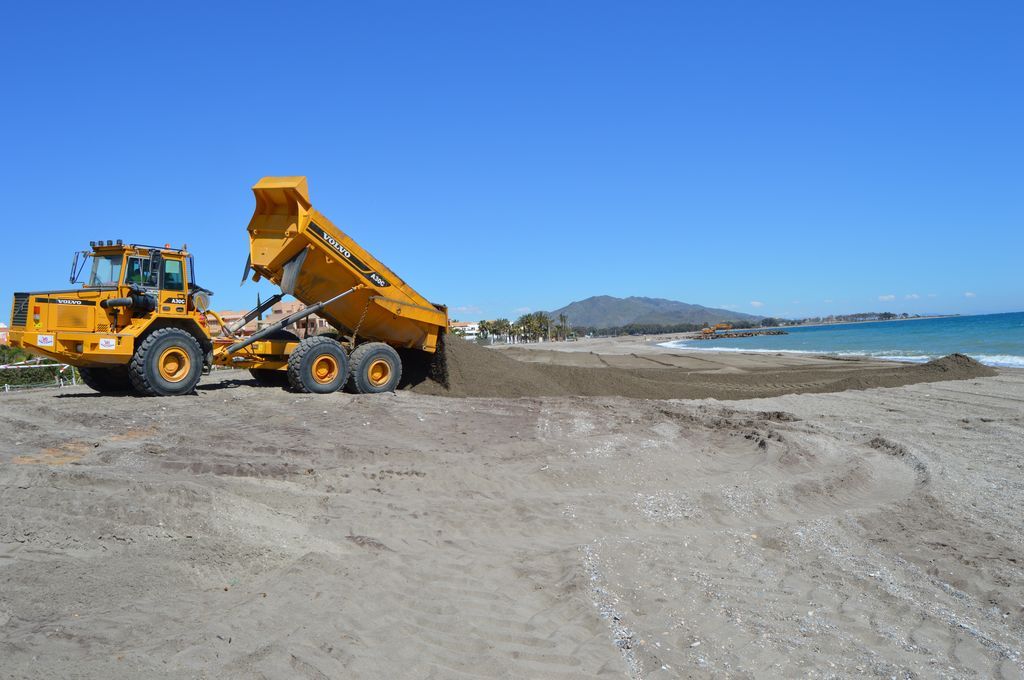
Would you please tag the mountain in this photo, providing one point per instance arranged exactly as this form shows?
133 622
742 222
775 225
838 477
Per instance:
605 311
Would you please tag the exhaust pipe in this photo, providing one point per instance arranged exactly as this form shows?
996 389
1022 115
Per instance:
139 299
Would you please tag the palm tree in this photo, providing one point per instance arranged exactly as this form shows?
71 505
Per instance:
542 325
501 328
563 325
524 327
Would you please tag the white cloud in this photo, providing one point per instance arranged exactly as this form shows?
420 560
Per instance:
795 302
468 309
911 296
756 304
521 310
828 302
932 295
886 298
970 294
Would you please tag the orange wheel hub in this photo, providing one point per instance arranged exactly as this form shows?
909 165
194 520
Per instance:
379 372
174 364
325 369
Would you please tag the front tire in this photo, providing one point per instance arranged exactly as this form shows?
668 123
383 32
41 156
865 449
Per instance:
167 363
106 380
376 368
319 365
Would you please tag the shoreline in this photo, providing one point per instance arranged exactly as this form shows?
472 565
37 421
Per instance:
697 334
905 359
854 323
651 344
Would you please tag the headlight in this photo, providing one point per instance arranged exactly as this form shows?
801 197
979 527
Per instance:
201 301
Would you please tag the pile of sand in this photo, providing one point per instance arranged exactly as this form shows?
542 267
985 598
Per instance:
958 364
475 371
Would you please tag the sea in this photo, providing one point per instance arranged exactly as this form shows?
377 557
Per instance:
992 339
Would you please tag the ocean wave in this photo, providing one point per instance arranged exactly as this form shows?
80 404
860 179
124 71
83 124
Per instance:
997 360
1000 360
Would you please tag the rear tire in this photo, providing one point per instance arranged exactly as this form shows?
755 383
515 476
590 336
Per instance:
319 365
107 380
376 368
167 363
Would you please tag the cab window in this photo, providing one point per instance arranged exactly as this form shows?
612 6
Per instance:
173 275
106 270
137 271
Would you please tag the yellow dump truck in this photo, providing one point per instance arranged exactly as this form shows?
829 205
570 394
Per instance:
140 321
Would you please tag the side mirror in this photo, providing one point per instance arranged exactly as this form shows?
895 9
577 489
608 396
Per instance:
76 267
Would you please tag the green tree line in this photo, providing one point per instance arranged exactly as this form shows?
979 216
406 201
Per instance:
528 328
541 325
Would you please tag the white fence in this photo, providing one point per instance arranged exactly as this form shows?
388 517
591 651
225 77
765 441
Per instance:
63 374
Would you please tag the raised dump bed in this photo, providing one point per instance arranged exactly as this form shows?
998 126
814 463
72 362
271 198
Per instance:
374 311
307 256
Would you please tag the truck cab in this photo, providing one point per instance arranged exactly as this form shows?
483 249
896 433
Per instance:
125 292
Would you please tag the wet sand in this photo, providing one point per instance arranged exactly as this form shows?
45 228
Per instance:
251 532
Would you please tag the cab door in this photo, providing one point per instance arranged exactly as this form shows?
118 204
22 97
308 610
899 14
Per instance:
173 287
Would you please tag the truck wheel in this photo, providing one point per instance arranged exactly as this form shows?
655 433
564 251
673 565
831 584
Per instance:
376 367
267 377
168 362
319 365
106 380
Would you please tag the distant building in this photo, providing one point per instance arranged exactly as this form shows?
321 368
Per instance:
229 318
311 325
3 333
467 329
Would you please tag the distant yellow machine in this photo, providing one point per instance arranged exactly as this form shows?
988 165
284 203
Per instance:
711 330
139 320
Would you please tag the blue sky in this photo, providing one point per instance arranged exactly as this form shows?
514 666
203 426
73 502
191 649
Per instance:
787 158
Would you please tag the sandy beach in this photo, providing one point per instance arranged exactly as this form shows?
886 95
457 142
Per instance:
801 517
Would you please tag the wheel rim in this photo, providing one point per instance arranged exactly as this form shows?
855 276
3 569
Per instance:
174 364
379 372
325 369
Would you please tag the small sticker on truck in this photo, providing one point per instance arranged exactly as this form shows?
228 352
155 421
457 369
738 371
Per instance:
44 340
108 343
